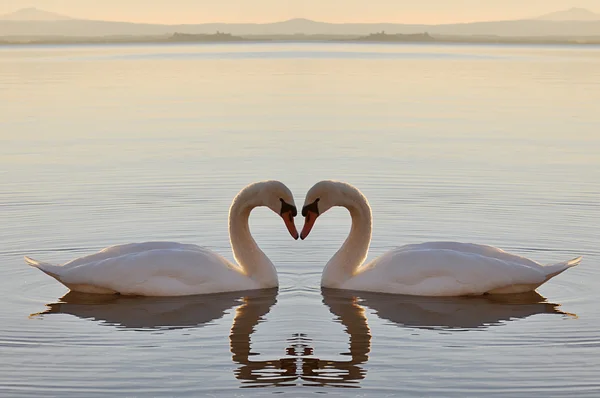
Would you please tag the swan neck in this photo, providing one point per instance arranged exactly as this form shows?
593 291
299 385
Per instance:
346 261
253 261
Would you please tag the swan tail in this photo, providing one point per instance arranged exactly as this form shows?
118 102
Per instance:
551 271
55 271
555 269
47 268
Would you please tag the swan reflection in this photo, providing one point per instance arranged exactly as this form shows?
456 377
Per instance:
346 373
280 372
298 363
451 313
301 365
152 313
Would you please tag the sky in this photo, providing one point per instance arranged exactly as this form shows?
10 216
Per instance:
202 11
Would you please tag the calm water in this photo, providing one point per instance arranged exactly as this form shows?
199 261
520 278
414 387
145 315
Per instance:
101 145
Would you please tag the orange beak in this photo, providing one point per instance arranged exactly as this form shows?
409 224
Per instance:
309 221
288 220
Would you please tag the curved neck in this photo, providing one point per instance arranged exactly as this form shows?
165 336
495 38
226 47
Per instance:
344 263
253 261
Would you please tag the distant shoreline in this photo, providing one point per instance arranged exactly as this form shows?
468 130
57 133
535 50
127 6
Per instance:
375 38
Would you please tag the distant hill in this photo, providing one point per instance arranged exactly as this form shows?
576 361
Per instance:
46 24
217 37
33 14
573 14
384 37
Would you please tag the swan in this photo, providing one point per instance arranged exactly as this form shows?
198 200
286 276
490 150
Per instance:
176 269
424 269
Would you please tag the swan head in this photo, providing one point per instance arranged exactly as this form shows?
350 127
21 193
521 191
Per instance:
277 197
323 196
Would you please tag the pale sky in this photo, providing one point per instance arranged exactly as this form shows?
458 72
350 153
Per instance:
201 11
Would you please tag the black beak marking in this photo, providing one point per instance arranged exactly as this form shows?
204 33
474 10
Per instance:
286 207
313 207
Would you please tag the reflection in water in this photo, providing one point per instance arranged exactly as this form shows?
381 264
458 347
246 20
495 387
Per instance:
344 373
256 373
299 364
151 313
454 313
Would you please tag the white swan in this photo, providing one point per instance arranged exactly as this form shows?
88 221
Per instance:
176 269
425 269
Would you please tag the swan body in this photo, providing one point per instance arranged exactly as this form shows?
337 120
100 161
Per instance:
452 269
150 269
176 269
425 269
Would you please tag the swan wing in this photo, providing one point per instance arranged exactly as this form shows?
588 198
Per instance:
130 249
447 269
472 248
154 269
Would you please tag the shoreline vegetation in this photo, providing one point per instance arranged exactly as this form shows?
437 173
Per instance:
221 37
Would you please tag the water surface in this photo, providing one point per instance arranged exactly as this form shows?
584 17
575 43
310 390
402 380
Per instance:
101 145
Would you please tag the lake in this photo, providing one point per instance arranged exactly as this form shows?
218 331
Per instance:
109 144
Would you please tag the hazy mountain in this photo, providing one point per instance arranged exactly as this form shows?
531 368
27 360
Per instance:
76 27
573 14
33 14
